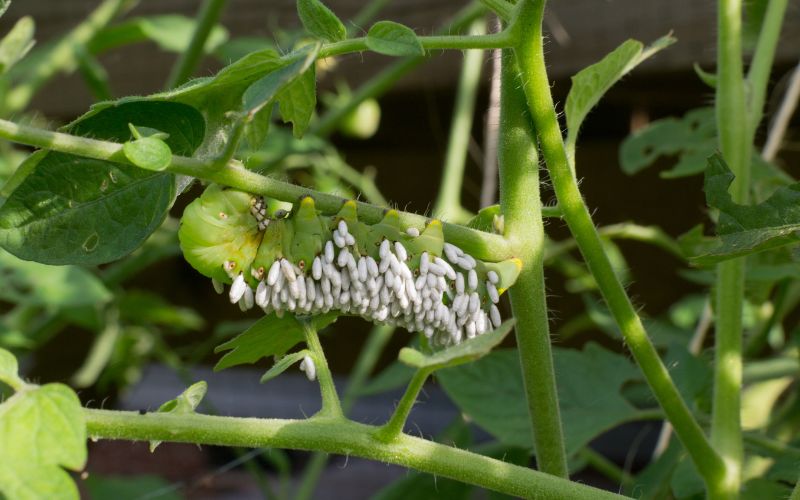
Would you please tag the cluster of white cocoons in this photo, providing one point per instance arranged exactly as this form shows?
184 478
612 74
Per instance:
381 291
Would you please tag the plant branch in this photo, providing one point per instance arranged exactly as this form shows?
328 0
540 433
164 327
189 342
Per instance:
761 64
530 57
483 245
448 202
380 83
331 408
341 437
62 56
519 197
434 42
187 62
394 427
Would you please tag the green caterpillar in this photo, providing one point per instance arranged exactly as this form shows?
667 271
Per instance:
308 263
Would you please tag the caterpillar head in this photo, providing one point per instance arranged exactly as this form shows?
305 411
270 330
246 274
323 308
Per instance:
219 236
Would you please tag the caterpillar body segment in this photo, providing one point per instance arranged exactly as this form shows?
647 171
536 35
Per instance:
308 263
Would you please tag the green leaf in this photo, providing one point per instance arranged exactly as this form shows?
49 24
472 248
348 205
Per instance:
283 364
267 88
320 21
9 370
148 153
53 287
298 101
591 83
393 39
654 480
693 137
743 229
16 43
129 488
458 354
4 4
186 403
491 392
73 210
269 336
170 32
709 79
488 219
41 430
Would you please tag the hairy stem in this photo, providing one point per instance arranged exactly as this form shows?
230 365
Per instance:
394 427
732 126
482 245
341 437
331 408
530 57
367 359
187 62
519 196
448 202
434 42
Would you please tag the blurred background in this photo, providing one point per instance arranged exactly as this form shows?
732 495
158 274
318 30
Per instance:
399 142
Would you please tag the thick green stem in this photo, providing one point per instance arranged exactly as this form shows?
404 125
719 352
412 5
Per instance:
62 56
735 143
331 408
530 57
342 437
448 202
482 245
394 427
519 197
187 62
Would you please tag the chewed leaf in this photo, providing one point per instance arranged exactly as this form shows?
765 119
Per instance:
589 85
42 429
743 229
267 88
393 39
269 336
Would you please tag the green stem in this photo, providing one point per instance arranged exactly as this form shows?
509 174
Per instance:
448 202
62 56
483 245
761 64
652 235
519 197
393 429
732 126
367 359
434 42
606 467
530 57
331 408
382 82
769 369
337 436
187 62
100 353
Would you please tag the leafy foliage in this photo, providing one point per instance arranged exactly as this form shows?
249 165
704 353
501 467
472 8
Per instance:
393 39
42 428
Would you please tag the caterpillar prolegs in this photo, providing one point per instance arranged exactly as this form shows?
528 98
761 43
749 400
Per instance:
308 263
